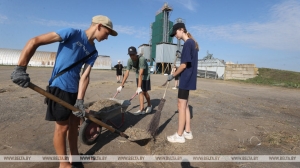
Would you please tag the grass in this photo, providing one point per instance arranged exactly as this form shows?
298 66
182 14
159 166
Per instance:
275 77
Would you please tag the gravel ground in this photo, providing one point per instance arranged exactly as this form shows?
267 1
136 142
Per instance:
229 118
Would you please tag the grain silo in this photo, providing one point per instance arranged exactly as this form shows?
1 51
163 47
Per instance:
161 51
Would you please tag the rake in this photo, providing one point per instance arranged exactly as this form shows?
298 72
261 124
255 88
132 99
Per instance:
153 125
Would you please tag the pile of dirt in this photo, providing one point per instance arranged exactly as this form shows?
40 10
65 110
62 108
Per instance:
159 147
2 90
104 105
137 134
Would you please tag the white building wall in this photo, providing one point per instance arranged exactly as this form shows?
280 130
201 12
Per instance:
44 59
103 62
213 65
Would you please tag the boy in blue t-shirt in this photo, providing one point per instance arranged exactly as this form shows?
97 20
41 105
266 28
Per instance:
188 81
74 45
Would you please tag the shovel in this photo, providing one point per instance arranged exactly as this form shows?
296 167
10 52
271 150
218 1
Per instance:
34 87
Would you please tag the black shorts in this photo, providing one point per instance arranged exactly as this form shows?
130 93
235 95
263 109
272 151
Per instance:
146 84
119 73
183 94
176 77
57 112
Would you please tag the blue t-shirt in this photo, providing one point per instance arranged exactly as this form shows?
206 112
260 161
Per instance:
189 55
73 47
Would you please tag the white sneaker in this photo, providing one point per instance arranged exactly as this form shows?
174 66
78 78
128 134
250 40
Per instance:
138 112
174 87
149 109
187 135
176 138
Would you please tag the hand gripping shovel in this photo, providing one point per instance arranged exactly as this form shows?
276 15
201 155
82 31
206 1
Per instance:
87 115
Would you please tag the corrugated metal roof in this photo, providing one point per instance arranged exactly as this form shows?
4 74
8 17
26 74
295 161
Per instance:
211 62
44 59
40 58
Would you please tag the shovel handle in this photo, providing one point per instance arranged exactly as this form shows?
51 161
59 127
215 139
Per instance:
69 106
166 89
116 94
132 96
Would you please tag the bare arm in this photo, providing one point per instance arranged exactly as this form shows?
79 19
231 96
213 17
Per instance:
84 81
140 77
34 43
180 69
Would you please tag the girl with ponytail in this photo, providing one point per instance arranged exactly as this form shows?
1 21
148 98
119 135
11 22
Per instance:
187 81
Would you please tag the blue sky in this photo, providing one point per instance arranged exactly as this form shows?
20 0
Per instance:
265 33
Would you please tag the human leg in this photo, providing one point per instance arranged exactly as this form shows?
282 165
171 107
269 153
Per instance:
141 97
187 133
182 103
187 118
73 134
59 140
149 106
141 109
61 116
146 86
147 96
178 136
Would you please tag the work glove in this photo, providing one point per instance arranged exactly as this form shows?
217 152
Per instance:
80 106
20 77
119 89
170 77
138 90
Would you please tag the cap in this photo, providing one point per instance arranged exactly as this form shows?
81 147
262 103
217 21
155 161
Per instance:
132 50
105 21
119 61
176 27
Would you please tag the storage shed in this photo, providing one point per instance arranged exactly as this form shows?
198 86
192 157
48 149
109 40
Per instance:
45 59
211 68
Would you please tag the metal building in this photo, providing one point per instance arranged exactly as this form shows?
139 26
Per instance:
160 30
103 62
144 50
211 68
44 59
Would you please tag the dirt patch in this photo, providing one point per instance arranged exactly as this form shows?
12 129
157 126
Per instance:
227 119
104 105
2 90
282 139
137 134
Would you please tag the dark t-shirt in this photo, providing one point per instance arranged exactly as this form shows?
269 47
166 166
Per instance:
188 77
141 64
119 68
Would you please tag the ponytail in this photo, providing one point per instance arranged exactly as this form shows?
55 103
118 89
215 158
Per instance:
190 36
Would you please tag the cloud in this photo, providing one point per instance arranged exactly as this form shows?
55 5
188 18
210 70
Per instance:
60 23
189 4
140 32
3 18
281 32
